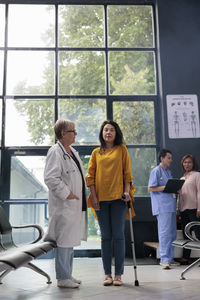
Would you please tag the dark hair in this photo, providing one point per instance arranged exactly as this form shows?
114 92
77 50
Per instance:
195 166
119 135
163 153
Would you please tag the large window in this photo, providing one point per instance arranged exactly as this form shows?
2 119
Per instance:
86 63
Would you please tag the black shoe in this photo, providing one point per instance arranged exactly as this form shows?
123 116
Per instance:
184 261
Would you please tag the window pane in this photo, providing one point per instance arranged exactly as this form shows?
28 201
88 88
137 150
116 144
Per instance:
136 120
81 73
130 26
29 122
23 214
132 73
31 25
27 177
88 114
1 72
30 72
81 26
2 24
142 160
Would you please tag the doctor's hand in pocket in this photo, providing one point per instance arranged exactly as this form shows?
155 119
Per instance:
72 196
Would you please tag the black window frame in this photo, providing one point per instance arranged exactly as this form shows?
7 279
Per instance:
8 152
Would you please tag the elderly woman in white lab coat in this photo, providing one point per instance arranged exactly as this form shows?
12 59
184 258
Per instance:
64 177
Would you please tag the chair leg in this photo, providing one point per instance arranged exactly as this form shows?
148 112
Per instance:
38 270
188 268
5 273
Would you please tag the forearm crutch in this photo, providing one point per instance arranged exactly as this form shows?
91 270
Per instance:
132 241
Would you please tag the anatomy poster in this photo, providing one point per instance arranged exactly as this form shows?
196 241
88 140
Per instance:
183 116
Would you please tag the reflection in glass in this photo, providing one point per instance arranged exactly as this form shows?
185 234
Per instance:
85 160
130 26
27 177
2 24
30 72
1 72
27 182
81 26
88 114
81 73
143 160
136 120
23 214
31 26
132 73
94 240
29 122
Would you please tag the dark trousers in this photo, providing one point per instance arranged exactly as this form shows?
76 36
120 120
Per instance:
111 218
187 216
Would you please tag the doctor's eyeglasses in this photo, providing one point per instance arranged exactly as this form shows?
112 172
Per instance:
74 131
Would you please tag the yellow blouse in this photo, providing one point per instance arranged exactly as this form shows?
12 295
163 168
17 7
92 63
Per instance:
108 171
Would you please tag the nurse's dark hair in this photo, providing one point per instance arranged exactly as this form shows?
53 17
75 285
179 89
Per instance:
163 153
195 166
119 140
61 125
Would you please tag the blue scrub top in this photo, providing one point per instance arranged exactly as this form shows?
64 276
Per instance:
161 202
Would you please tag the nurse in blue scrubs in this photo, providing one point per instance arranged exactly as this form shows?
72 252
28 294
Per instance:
164 208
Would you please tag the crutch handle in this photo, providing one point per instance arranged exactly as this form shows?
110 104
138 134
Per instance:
128 202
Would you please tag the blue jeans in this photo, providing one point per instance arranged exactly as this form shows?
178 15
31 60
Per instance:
111 218
64 262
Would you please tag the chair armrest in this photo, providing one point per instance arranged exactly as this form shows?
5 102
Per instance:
188 230
38 227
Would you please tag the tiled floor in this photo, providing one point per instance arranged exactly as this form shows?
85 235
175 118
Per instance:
154 283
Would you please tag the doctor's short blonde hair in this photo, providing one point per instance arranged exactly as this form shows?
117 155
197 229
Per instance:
62 125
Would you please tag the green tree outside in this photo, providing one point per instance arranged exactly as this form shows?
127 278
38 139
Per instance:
83 73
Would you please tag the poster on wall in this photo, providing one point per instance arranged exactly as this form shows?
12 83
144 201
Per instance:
183 116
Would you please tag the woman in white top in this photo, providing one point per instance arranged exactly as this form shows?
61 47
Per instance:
189 198
64 177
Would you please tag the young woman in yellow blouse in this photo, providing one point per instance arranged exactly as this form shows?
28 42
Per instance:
109 176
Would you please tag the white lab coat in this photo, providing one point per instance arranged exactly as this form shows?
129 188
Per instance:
67 221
